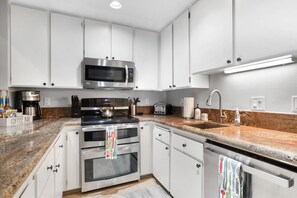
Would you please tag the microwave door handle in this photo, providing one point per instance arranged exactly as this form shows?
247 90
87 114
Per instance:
127 75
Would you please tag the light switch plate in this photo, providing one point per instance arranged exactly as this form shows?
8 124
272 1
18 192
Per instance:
47 101
258 103
147 101
294 104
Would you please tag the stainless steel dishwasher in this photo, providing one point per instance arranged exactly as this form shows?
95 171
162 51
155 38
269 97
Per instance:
269 178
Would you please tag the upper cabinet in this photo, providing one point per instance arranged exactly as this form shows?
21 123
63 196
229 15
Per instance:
97 39
211 37
146 59
29 47
264 28
122 42
66 50
165 71
103 40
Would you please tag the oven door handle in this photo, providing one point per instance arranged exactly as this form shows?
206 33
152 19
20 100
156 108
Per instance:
127 75
100 128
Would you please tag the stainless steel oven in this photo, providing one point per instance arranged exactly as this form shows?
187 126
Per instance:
107 74
94 135
98 172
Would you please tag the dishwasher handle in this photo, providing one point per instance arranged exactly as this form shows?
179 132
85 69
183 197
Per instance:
281 181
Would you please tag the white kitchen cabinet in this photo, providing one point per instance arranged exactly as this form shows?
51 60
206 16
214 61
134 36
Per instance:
59 167
161 157
29 192
122 42
97 39
181 53
211 34
146 142
185 170
166 70
49 189
186 167
146 46
29 47
264 28
73 160
66 50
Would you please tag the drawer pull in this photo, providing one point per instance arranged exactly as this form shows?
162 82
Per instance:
55 171
198 165
49 167
184 145
61 146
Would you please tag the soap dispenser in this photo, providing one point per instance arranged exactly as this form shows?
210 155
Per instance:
237 117
197 113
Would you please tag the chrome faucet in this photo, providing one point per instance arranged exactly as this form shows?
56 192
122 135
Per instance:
208 103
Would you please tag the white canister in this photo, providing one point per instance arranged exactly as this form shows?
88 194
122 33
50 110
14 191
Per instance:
204 117
188 111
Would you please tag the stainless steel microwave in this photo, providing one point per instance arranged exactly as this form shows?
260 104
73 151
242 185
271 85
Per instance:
107 74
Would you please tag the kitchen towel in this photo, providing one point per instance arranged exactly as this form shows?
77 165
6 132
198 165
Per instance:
111 142
231 178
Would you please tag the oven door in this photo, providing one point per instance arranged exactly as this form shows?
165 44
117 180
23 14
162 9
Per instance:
101 73
98 172
94 136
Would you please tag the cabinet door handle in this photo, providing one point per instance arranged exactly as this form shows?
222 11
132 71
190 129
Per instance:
106 57
49 167
166 148
61 146
112 58
76 133
55 171
58 166
160 134
184 145
53 84
228 61
198 165
44 84
141 127
170 86
238 59
136 87
174 85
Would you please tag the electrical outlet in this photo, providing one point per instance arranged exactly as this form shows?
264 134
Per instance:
294 104
258 103
147 101
47 101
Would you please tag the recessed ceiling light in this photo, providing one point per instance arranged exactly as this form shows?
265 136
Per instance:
115 5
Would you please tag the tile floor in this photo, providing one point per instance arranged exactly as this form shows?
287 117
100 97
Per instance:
145 188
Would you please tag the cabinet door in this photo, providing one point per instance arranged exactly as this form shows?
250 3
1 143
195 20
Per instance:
49 189
264 28
161 162
165 76
184 171
146 149
211 35
60 168
97 39
181 52
66 50
29 192
29 47
122 42
146 59
73 162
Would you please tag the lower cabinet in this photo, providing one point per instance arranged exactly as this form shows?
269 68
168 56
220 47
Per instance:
161 157
146 142
29 191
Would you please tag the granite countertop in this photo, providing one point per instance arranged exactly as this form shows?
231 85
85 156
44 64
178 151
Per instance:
277 145
22 147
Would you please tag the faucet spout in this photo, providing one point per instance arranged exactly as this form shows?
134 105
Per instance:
208 103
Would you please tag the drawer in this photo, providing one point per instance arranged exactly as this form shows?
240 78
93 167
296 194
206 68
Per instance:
44 172
188 146
162 134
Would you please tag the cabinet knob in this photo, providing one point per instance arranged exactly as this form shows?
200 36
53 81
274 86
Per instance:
170 86
53 84
61 146
136 87
184 145
141 127
58 166
49 167
55 171
228 61
198 165
160 135
174 85
44 84
166 148
106 57
238 59
112 58
76 133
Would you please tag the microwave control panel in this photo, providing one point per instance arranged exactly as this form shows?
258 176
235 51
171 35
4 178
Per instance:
130 75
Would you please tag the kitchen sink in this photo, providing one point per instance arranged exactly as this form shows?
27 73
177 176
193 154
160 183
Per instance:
207 125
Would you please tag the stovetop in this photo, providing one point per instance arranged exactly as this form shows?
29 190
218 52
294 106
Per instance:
97 120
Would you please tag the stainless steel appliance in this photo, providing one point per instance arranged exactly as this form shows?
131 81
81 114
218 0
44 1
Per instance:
269 178
162 108
28 103
98 172
107 74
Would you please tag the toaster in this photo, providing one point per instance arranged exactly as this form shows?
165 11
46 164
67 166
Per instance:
162 108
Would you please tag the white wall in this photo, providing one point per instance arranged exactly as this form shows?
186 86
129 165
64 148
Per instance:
4 61
277 84
62 97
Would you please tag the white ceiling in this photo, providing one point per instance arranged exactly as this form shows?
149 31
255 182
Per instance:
147 14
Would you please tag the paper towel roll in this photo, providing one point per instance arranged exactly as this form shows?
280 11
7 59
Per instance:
188 107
